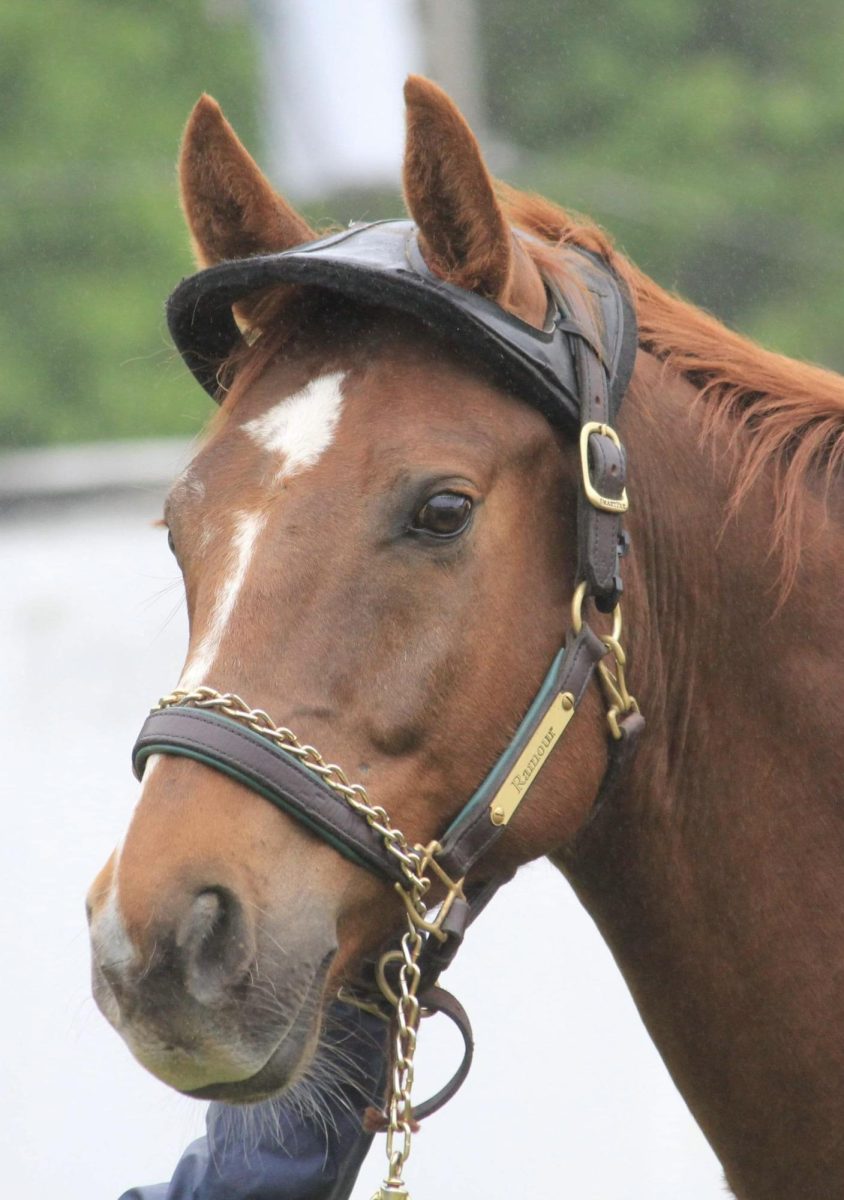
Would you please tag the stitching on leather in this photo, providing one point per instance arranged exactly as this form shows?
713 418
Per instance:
195 715
355 835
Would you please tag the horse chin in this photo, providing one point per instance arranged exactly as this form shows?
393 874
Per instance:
289 1060
284 1068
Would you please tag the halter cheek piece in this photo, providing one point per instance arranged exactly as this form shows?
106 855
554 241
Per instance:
575 371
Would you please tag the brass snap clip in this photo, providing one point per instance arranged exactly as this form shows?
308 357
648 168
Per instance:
614 683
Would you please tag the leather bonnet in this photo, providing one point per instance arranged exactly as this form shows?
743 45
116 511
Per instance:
380 263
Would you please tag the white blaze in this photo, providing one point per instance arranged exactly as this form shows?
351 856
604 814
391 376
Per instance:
246 529
298 430
300 427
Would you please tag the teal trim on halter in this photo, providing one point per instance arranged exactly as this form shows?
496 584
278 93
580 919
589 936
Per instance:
226 768
541 702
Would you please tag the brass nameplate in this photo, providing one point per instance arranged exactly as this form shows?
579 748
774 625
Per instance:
532 759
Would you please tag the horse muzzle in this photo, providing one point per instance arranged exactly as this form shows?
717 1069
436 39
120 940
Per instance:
215 1004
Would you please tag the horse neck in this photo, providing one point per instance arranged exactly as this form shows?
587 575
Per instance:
715 871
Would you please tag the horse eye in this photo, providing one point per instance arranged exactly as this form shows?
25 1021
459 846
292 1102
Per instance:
444 515
170 542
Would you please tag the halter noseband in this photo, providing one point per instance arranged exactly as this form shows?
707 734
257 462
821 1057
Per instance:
575 371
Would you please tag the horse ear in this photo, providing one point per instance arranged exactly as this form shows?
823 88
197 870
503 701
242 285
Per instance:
449 193
231 208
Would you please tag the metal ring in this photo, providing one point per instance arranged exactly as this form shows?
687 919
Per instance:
577 606
580 595
380 975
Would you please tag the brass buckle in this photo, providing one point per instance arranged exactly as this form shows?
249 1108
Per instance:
605 503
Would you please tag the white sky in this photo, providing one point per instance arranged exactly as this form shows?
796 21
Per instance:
333 81
567 1095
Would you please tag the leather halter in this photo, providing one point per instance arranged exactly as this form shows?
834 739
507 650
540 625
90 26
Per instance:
575 371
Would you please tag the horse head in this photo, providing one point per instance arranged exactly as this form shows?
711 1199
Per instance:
378 546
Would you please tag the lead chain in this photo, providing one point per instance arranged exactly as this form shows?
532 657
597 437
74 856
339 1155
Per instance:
399 1106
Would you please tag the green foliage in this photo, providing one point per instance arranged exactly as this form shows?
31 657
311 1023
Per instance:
705 135
94 97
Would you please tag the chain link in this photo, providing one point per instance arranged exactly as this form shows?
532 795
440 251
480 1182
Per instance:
413 861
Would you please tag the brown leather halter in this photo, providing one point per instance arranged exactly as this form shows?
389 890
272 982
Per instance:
591 350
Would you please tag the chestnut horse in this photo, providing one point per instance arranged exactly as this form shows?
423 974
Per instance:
377 544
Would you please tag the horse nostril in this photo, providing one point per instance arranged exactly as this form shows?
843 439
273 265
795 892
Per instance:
216 943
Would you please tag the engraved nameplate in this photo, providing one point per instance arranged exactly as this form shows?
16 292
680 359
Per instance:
532 759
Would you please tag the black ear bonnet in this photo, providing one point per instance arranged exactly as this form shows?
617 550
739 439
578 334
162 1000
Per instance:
380 263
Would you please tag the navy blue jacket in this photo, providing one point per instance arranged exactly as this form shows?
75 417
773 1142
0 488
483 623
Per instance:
287 1155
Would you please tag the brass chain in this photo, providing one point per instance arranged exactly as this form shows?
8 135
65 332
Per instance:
399 1105
230 705
413 861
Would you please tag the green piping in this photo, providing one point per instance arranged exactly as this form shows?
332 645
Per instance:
241 777
541 702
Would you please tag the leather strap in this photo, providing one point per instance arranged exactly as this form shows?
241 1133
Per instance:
472 833
438 1000
252 760
610 316
622 750
599 533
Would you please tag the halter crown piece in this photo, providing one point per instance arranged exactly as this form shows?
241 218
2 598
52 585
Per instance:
575 371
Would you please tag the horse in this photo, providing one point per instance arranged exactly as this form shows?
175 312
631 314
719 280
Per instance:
379 550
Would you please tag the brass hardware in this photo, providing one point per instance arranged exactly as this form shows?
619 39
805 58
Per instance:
577 607
605 503
577 612
453 888
391 1191
381 975
619 700
612 718
532 759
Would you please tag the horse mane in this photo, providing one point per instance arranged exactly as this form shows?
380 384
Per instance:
776 412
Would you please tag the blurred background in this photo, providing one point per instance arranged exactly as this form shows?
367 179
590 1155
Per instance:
706 135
